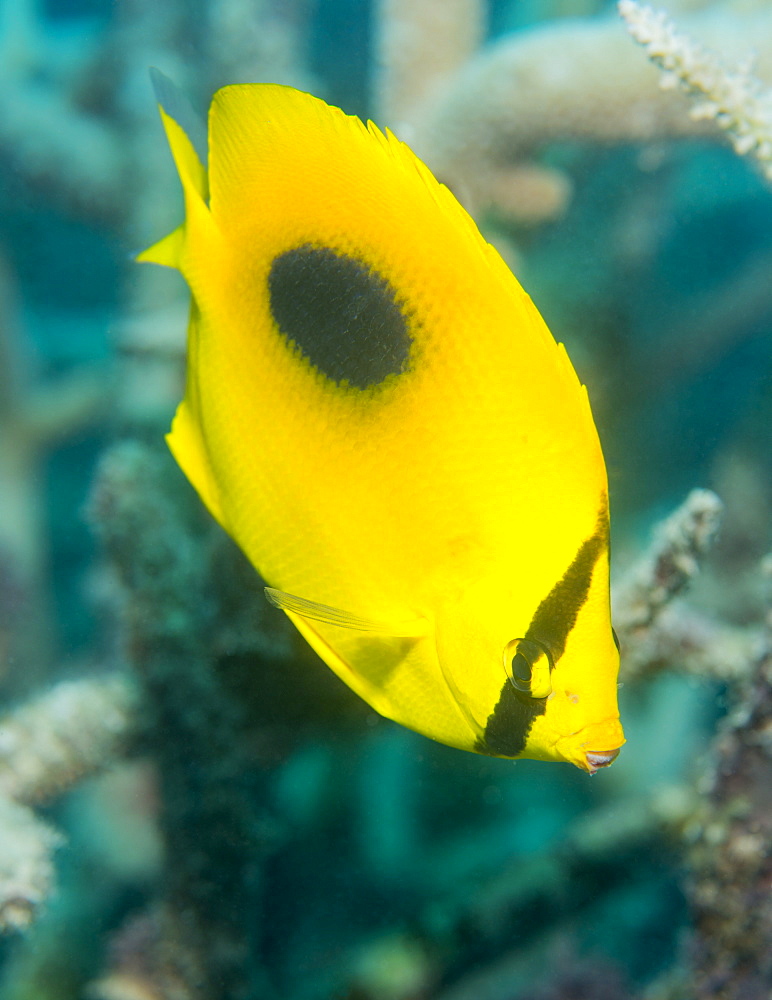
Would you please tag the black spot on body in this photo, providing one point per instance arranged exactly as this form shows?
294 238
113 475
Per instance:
342 315
508 725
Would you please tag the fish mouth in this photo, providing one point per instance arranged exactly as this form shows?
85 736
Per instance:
597 759
606 734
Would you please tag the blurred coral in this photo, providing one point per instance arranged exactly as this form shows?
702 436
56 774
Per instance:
729 842
673 560
132 975
215 822
420 46
70 732
655 636
565 80
26 865
34 417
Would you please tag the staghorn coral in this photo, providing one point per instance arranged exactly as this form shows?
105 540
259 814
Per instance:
160 558
47 745
730 95
657 634
673 560
483 132
192 722
66 734
196 717
729 844
26 864
484 129
727 829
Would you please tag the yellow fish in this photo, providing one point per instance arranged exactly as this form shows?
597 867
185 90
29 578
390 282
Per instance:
378 415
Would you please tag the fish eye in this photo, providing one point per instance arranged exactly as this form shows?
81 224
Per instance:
529 664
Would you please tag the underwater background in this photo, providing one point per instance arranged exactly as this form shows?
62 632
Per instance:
191 805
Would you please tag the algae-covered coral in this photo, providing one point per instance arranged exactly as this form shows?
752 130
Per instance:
256 830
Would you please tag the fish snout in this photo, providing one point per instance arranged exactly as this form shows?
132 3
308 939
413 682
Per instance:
607 735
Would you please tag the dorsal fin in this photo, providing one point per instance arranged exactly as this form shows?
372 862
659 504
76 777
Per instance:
186 133
176 106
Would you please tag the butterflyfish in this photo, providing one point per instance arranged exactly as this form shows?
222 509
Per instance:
378 415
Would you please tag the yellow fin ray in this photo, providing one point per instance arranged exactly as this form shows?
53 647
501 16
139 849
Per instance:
407 628
390 674
185 439
186 135
185 132
167 251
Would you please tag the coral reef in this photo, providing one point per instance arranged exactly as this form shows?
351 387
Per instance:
163 578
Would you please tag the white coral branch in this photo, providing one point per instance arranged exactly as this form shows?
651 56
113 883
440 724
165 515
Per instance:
73 730
26 865
656 631
680 542
729 94
46 746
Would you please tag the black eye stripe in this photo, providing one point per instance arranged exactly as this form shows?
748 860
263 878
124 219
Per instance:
341 314
508 725
557 613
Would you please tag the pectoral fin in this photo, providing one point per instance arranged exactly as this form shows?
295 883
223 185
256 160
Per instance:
407 628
